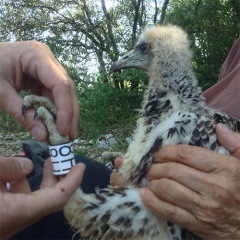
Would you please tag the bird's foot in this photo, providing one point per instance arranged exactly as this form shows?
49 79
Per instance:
46 110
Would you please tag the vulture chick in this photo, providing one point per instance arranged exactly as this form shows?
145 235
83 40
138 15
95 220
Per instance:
173 112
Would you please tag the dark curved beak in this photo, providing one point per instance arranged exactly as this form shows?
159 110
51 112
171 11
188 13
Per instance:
132 59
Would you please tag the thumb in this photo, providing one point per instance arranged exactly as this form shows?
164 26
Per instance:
13 168
229 139
118 162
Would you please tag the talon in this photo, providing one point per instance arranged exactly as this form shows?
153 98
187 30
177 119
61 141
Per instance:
47 111
35 115
53 114
23 110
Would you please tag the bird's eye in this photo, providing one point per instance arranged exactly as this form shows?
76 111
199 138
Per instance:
142 47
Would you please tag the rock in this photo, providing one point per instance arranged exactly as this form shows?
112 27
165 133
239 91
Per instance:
106 142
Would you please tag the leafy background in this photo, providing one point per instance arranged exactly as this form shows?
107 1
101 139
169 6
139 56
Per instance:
87 36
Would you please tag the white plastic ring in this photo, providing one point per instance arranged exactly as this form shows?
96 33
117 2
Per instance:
62 158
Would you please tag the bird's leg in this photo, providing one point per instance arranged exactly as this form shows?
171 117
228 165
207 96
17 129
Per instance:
47 111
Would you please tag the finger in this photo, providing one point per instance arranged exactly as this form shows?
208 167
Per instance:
27 209
49 180
118 162
175 193
20 186
61 86
13 168
50 199
76 115
189 177
68 110
41 64
167 210
72 181
229 139
195 157
118 180
65 109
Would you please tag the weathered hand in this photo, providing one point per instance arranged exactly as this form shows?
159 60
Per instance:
197 188
31 65
20 207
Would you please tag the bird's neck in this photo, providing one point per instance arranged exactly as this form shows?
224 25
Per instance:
177 92
186 88
177 78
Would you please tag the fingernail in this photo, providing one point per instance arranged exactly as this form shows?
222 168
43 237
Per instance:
26 164
83 166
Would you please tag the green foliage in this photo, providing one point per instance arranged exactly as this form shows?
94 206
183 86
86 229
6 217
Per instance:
8 124
105 108
87 36
79 31
213 26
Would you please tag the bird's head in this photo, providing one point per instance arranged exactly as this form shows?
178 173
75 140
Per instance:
158 51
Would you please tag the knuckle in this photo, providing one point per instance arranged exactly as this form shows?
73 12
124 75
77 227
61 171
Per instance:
164 185
170 213
161 187
171 169
38 48
233 167
36 44
213 207
185 152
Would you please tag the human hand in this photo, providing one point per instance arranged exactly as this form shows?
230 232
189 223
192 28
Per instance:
198 189
20 207
31 65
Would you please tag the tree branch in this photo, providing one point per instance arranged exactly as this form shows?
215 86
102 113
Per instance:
164 9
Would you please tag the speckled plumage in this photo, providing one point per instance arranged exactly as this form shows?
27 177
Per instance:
173 112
